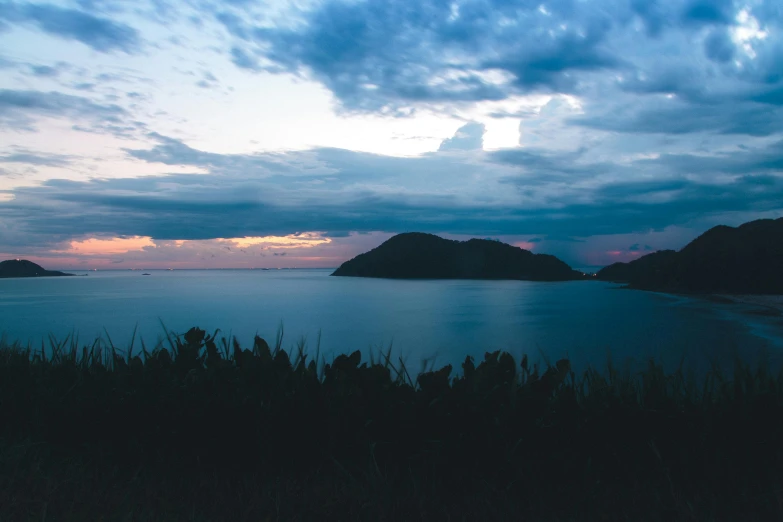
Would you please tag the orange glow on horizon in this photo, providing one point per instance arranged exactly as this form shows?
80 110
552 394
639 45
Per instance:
148 252
117 245
101 247
306 240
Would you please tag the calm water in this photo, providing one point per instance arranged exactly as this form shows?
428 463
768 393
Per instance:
450 319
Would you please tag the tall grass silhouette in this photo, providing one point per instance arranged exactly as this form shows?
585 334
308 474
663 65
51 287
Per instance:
251 426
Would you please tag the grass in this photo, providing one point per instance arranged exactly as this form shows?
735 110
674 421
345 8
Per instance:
209 430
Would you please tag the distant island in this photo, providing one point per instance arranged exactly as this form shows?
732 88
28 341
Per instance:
25 268
415 255
744 260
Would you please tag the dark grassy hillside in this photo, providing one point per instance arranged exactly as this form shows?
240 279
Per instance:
652 271
25 268
212 431
745 259
416 255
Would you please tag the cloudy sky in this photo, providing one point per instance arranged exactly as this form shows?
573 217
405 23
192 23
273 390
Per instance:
252 133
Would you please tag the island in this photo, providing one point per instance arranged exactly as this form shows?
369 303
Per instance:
416 255
747 259
25 268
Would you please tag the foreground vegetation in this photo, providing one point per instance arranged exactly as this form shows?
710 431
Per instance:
206 430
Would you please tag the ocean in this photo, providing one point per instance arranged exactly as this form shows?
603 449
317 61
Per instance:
425 322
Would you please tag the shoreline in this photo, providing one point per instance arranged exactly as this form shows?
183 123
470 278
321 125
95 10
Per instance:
767 305
771 305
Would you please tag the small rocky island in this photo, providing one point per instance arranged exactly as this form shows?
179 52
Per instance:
724 260
415 255
25 268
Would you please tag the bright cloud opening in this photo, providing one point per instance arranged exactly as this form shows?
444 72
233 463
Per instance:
747 30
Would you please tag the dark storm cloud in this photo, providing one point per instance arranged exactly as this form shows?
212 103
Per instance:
655 16
19 107
173 152
243 60
673 116
37 158
763 160
719 47
773 96
708 12
44 71
36 70
540 165
83 86
234 24
170 218
268 194
155 10
102 34
382 56
376 55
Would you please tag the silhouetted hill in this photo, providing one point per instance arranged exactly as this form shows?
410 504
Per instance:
648 271
744 260
415 255
25 268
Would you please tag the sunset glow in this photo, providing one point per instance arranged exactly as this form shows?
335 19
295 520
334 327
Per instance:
102 247
305 240
525 245
168 132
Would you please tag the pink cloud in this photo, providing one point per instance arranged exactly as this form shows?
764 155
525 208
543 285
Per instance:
526 245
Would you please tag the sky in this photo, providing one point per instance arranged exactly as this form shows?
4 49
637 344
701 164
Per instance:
300 133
